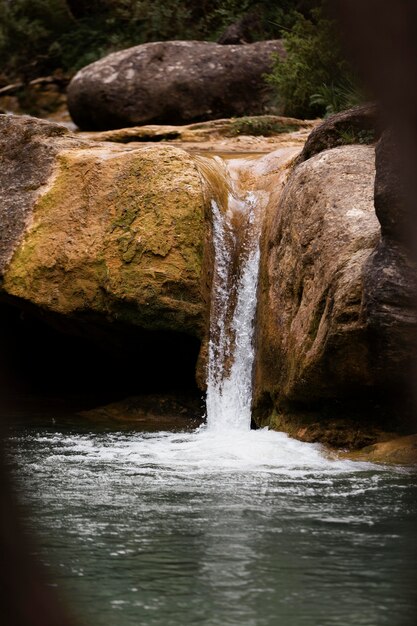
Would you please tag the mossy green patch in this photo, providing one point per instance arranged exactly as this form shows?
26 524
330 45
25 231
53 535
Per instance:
263 125
119 232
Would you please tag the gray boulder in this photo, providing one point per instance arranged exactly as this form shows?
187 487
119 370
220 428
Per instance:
172 82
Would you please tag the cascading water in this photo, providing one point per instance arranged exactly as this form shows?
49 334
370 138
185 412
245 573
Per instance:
241 189
231 352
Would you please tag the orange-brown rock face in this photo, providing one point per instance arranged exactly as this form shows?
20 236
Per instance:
104 230
312 341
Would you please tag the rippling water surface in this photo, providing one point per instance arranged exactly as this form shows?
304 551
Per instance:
217 529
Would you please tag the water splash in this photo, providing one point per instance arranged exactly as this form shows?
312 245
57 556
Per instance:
241 192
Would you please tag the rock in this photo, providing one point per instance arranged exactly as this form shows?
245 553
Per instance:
390 198
337 322
312 338
150 413
357 125
100 231
28 148
260 125
172 82
400 450
390 287
341 425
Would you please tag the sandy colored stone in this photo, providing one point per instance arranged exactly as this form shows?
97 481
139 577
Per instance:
115 232
255 126
311 334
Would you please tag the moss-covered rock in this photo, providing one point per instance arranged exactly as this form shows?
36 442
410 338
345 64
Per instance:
110 232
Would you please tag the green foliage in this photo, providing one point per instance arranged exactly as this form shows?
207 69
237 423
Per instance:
351 136
336 97
260 125
27 30
38 37
314 79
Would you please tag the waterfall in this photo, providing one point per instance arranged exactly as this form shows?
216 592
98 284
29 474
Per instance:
236 233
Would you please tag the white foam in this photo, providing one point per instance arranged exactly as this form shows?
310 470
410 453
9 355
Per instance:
201 452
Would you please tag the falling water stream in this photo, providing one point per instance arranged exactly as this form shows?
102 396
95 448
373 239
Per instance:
231 351
223 526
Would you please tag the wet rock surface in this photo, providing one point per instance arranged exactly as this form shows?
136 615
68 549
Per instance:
172 82
351 425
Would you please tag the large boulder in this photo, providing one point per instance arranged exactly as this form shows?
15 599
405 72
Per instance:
101 232
312 335
172 82
336 328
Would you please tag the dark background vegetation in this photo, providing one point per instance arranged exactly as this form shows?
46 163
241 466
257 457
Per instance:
57 37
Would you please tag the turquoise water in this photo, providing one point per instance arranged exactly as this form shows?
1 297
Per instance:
248 529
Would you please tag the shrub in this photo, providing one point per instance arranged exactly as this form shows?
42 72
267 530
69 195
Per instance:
27 30
40 36
336 97
314 78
